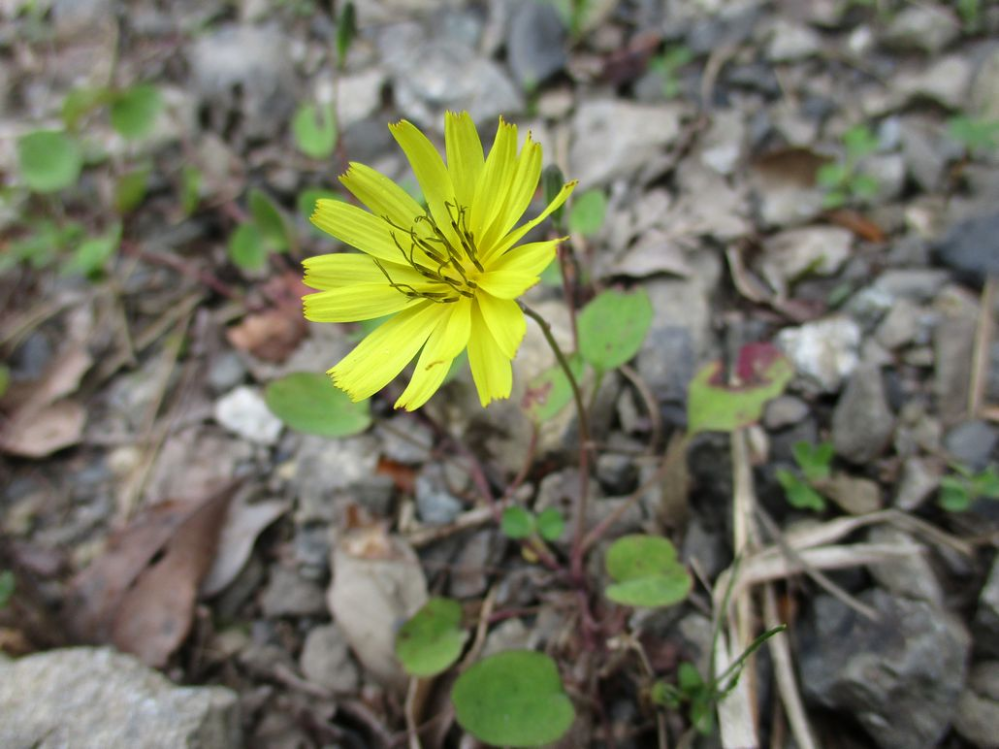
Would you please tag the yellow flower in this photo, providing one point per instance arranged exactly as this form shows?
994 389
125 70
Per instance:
449 274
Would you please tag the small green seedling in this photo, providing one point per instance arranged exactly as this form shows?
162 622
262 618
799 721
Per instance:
842 180
959 490
612 328
315 131
346 31
587 214
432 640
976 135
646 572
514 698
50 160
519 523
668 65
814 463
7 587
267 231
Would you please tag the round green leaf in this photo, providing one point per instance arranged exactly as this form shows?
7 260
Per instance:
551 524
269 220
50 160
134 111
432 639
130 190
314 129
309 402
587 213
92 254
646 572
246 247
516 523
514 698
549 392
613 326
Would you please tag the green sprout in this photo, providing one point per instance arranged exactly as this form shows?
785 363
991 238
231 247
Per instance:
667 66
842 180
976 135
813 463
960 489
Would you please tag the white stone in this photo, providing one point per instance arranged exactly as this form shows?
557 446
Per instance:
244 412
824 351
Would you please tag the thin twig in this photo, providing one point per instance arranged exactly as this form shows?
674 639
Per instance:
980 355
651 406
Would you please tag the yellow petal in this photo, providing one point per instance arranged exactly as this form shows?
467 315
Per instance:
336 270
512 274
356 227
445 343
382 196
517 193
515 236
384 353
491 369
505 321
464 155
430 173
488 196
360 301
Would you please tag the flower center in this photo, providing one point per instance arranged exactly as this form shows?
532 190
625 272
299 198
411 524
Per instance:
452 266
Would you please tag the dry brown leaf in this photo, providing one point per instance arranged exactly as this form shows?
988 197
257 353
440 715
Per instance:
377 584
42 421
155 616
244 523
272 335
41 432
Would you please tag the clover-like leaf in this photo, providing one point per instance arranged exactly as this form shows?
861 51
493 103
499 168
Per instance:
799 494
314 129
246 247
551 524
270 221
613 326
514 698
50 160
762 373
432 639
516 522
134 111
309 402
587 213
646 572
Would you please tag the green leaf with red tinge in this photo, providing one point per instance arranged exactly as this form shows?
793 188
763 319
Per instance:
762 372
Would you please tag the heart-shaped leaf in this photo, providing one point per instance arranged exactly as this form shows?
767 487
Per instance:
134 111
612 327
309 402
50 160
516 523
646 572
514 698
432 639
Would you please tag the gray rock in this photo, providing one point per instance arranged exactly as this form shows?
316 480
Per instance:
954 344
226 372
977 717
478 554
855 495
986 622
945 82
617 473
432 74
862 422
95 698
824 351
900 326
289 594
435 505
992 389
244 413
405 439
985 88
359 96
249 68
925 153
791 41
910 662
784 411
889 171
971 443
972 248
918 482
922 28
598 155
73 17
677 339
326 468
325 660
919 285
910 576
707 547
535 43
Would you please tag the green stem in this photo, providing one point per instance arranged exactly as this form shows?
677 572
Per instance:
576 557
